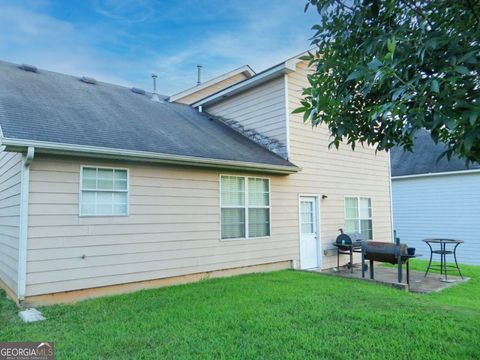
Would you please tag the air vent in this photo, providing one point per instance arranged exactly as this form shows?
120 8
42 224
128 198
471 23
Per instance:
27 67
88 80
138 91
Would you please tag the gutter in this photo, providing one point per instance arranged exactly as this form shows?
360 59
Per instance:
444 173
286 67
23 231
44 147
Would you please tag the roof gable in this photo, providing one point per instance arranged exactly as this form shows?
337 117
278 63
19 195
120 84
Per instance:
211 86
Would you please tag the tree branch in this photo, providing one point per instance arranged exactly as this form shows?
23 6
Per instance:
473 11
343 5
419 13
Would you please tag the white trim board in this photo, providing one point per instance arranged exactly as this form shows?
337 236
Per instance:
260 78
134 155
285 67
243 69
445 173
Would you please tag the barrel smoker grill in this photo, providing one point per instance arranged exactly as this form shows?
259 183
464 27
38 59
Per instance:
393 253
347 244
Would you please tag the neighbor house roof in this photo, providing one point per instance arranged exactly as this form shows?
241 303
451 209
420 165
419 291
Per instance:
58 113
425 158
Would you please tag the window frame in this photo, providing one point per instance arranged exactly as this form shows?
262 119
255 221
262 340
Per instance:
359 219
81 190
246 207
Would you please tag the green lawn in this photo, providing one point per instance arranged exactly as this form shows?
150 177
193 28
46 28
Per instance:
285 314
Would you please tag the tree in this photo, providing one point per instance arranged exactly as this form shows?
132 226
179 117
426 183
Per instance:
384 68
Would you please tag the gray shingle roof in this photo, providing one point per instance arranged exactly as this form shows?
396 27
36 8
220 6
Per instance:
425 158
58 108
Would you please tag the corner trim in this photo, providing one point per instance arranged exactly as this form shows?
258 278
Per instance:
390 189
23 229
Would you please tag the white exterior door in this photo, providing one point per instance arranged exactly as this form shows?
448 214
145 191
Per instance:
309 250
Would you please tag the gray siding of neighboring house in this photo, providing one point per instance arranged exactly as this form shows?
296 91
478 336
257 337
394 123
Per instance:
445 206
262 109
10 180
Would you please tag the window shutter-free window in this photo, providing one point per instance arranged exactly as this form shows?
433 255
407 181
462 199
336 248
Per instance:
351 215
233 207
104 192
258 207
245 207
358 216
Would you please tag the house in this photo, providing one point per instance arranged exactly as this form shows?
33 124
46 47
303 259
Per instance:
106 189
435 197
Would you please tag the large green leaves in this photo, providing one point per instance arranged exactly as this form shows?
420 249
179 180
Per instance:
386 68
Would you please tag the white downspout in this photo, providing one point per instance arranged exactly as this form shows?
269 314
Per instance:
23 233
287 116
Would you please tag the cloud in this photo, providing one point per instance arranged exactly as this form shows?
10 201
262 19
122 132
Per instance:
129 11
31 37
264 39
125 41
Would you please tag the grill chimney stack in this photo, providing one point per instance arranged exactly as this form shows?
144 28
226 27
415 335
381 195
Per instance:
199 74
155 94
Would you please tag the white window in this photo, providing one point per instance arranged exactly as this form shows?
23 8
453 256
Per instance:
103 192
245 207
358 216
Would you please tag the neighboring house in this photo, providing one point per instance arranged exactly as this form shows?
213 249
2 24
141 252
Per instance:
436 198
104 190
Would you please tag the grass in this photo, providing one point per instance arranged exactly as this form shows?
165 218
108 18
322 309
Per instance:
286 314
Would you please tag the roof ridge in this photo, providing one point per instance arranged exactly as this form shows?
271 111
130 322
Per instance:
40 70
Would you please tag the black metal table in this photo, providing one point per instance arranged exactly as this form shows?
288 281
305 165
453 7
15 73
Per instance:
443 252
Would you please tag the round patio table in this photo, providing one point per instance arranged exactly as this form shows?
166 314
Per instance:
443 252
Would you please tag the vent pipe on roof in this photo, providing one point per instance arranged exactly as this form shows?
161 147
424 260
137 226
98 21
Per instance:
199 74
30 68
88 80
155 94
138 91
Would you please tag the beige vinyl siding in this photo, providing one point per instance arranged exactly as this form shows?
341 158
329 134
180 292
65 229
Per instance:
10 180
261 109
212 89
174 224
335 173
173 229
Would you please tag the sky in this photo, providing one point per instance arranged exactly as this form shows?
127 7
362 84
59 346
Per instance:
125 41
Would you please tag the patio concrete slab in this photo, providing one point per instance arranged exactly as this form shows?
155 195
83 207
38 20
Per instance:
389 276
